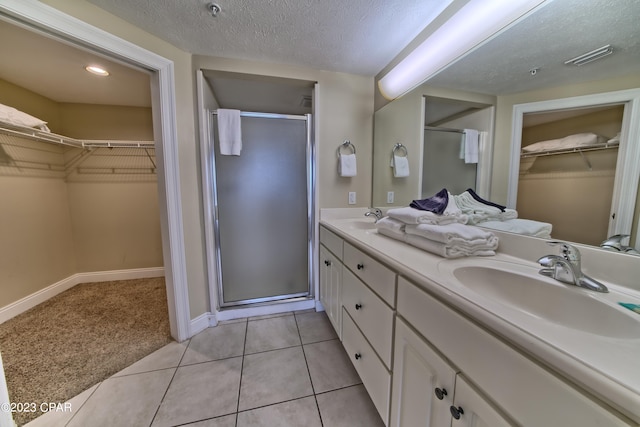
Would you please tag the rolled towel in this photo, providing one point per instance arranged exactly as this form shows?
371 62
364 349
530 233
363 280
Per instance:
444 250
409 215
392 226
526 227
461 234
478 211
347 165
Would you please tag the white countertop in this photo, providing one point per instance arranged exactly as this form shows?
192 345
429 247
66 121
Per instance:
606 366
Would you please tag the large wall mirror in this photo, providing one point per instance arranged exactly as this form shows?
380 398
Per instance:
518 89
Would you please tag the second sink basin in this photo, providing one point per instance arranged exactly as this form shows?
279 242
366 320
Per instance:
521 287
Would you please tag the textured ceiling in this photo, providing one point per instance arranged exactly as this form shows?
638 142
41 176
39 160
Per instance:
561 30
354 36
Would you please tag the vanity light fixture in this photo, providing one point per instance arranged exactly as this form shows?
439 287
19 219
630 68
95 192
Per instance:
590 56
475 23
98 71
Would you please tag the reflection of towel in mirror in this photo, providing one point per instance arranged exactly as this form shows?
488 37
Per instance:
347 165
471 144
444 249
436 203
400 166
478 212
526 227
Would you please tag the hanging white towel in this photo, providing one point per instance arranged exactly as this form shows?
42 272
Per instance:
471 143
229 132
400 166
347 165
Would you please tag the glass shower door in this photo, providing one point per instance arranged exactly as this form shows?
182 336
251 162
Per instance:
263 212
442 165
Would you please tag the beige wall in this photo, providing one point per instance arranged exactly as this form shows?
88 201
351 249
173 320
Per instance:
36 243
31 103
87 121
116 226
502 142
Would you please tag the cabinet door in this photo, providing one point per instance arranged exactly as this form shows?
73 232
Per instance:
470 409
331 288
423 383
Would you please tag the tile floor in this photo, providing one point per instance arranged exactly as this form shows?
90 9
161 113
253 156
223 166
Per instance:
282 370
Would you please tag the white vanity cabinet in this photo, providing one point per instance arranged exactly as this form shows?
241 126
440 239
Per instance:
428 392
508 381
331 277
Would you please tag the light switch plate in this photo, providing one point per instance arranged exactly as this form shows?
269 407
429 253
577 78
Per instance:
352 197
390 196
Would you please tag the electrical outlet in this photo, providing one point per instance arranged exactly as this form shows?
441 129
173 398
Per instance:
352 197
389 196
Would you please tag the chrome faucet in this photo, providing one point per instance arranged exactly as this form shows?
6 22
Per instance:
375 212
615 243
566 268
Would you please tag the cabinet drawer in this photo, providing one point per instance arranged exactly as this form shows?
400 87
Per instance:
331 241
527 392
370 313
374 375
378 277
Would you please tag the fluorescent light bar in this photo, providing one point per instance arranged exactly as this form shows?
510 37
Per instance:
590 56
473 24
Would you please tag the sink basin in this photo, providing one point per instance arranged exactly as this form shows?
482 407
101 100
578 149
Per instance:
521 287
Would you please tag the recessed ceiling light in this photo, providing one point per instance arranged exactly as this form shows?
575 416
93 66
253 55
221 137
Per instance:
98 71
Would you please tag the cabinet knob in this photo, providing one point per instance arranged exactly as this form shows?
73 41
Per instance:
357 356
456 412
441 393
327 263
360 266
358 306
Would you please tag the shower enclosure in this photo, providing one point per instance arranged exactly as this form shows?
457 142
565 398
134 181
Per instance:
263 212
442 165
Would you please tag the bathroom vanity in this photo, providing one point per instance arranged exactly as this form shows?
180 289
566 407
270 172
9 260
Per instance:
479 340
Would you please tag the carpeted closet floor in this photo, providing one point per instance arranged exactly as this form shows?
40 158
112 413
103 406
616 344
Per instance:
80 337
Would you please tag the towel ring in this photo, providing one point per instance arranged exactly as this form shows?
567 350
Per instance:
398 147
346 144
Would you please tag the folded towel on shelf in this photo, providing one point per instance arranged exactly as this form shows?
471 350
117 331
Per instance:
526 227
446 250
464 235
347 165
229 132
477 211
577 140
400 166
436 203
16 117
471 145
409 215
391 226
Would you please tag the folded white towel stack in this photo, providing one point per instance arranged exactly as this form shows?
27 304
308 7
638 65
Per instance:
347 165
410 215
471 144
478 212
525 227
400 166
229 132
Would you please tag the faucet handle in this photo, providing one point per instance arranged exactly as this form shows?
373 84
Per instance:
568 251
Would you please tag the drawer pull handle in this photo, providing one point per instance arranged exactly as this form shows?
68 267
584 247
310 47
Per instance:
358 306
360 266
441 393
327 263
358 356
456 412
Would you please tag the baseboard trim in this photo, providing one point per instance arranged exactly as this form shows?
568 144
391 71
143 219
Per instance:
200 323
11 310
282 307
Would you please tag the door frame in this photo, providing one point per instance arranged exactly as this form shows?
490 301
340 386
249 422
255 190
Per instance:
627 166
40 17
